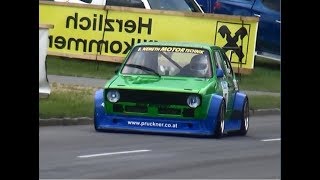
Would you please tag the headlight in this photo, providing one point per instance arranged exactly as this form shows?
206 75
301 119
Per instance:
193 101
113 96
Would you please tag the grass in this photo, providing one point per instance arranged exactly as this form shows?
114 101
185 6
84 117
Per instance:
77 67
265 77
77 101
67 101
264 101
261 79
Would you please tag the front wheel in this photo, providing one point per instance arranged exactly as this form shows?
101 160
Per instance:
219 129
95 121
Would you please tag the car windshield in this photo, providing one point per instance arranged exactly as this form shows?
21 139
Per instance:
168 61
174 5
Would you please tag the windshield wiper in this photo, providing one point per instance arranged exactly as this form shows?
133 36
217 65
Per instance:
146 69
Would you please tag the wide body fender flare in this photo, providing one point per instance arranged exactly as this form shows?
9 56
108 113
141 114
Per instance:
239 100
213 112
99 110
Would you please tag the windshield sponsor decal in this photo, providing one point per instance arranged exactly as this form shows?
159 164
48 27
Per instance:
172 49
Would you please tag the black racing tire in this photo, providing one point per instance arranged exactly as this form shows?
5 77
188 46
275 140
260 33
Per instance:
219 128
244 118
95 124
96 129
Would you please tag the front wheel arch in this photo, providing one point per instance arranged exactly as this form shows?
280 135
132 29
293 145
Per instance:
220 124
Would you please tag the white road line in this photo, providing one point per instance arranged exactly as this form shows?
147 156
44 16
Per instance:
112 153
277 139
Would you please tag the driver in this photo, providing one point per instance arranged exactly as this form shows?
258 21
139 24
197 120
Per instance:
199 65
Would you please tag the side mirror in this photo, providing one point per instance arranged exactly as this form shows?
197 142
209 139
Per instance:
219 73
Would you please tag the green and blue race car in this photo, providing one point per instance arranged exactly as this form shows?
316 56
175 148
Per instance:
173 87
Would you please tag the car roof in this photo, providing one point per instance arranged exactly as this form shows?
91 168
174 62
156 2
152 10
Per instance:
181 44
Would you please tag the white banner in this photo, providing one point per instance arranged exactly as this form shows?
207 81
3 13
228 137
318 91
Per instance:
44 86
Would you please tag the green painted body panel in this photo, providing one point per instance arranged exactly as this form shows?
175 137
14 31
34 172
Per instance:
204 87
149 82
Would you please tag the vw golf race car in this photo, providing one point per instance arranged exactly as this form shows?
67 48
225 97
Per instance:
171 87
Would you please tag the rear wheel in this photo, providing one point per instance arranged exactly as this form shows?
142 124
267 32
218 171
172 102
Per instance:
244 119
219 129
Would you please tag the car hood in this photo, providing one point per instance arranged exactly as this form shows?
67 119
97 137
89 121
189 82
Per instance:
164 83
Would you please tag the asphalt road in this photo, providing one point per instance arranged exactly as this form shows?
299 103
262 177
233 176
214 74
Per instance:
78 152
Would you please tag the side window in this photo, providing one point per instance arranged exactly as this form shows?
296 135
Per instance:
86 1
218 60
227 64
220 64
272 4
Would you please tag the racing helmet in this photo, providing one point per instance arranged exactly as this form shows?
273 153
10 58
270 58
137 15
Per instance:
199 65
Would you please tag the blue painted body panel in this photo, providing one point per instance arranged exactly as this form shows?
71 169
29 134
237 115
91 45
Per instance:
238 102
235 124
165 125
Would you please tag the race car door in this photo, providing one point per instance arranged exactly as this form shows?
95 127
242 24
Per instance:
228 84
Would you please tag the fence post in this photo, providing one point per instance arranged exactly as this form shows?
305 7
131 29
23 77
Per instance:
44 86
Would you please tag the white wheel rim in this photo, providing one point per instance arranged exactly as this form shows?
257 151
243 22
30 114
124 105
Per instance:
222 126
246 119
222 120
246 122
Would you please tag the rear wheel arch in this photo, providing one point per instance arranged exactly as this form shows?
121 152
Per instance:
245 118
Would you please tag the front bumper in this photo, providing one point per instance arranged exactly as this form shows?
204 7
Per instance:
149 124
104 121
